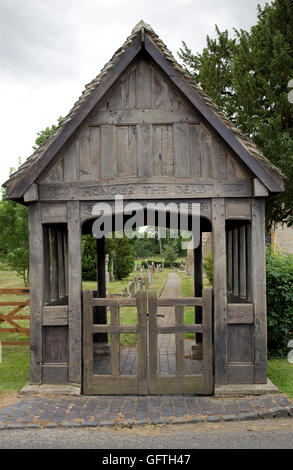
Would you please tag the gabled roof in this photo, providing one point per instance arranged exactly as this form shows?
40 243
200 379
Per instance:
143 37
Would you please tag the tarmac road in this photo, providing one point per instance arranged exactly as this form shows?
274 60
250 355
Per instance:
262 434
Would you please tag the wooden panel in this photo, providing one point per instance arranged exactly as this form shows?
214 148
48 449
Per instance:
157 150
179 336
241 373
122 151
207 342
240 343
88 349
55 344
55 374
115 341
55 315
240 313
154 116
54 213
219 160
259 288
143 85
129 91
70 162
108 152
85 167
167 151
36 259
47 266
206 152
195 150
238 208
56 173
181 150
145 157
158 91
235 283
74 291
242 262
220 290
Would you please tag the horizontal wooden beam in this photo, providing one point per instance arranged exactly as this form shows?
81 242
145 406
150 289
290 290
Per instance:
55 315
114 329
179 329
183 301
113 301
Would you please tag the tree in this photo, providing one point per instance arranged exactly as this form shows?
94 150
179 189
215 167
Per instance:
14 244
170 252
247 77
14 237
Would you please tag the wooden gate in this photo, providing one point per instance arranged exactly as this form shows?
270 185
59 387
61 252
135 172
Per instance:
146 378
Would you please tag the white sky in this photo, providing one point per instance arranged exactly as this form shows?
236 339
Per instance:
49 49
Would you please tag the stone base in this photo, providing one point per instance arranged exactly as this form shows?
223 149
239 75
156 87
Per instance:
196 352
240 390
46 389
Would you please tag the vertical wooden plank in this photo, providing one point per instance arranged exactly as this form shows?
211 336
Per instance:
36 259
141 302
153 339
229 259
47 269
242 262
70 163
159 91
143 85
157 150
122 151
115 341
198 284
194 149
108 152
54 266
206 152
132 150
145 157
259 288
167 151
219 160
220 290
74 290
88 352
235 288
95 146
180 359
65 244
181 150
61 269
248 263
84 155
207 347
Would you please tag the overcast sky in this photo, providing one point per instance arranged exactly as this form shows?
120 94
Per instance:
49 49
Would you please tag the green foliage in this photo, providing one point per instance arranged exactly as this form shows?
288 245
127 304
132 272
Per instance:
170 252
14 237
207 263
44 134
247 76
279 302
89 251
120 252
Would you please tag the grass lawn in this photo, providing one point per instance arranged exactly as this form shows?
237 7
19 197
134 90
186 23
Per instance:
280 371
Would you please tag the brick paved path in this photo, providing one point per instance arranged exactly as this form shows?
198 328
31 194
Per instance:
37 412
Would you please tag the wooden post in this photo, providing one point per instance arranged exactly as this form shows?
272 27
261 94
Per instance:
198 285
235 285
65 245
242 262
220 290
54 266
259 288
74 291
229 259
36 259
100 313
248 263
61 267
47 269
